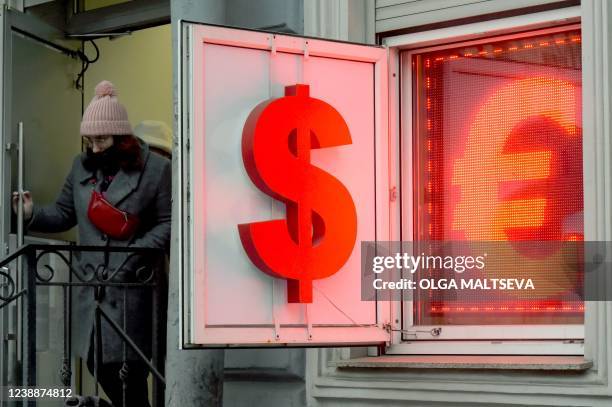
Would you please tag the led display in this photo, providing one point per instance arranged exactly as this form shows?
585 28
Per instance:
498 157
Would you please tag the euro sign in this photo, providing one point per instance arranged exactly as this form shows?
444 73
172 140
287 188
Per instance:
525 195
318 235
480 213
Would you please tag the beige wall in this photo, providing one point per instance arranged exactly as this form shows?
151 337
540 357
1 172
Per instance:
140 66
87 5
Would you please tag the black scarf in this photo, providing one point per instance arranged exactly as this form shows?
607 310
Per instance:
108 161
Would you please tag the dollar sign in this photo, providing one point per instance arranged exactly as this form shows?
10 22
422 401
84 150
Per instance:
320 229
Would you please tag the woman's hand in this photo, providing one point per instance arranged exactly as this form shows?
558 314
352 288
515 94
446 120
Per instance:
28 204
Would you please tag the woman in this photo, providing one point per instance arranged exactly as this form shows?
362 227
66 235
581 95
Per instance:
117 170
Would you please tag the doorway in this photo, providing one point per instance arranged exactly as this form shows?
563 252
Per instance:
41 68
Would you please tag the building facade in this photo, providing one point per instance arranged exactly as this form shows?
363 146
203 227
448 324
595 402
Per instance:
545 364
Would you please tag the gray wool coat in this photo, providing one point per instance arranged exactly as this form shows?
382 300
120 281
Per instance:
146 193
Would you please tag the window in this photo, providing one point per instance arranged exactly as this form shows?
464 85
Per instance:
497 156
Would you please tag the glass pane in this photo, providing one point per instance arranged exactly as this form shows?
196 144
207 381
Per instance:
41 74
498 157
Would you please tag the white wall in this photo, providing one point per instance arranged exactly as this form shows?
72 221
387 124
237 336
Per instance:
402 14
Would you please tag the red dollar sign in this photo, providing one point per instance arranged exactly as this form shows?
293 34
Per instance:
319 233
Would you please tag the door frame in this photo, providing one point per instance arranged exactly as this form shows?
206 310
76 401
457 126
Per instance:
35 29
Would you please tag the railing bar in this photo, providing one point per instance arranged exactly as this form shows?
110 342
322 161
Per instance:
99 284
97 326
29 325
117 249
69 299
14 255
155 330
10 300
125 371
127 285
26 248
135 347
66 371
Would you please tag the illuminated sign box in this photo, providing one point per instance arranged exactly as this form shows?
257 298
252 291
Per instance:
496 141
238 278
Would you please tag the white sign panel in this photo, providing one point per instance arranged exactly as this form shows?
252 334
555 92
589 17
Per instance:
228 298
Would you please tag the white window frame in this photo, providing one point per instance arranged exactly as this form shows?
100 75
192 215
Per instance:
447 386
470 339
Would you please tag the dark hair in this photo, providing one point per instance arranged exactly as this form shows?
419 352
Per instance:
128 152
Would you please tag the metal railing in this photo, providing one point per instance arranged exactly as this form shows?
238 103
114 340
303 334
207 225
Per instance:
20 288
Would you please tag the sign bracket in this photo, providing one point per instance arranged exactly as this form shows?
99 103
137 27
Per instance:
308 321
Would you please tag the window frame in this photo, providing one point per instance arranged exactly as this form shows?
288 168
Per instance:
468 339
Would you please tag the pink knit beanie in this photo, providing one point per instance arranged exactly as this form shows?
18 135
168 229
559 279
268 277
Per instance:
105 115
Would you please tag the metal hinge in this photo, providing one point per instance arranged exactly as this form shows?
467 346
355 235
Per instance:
392 194
273 45
17 5
433 331
570 341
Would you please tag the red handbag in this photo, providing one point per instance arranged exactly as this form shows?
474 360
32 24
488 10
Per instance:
114 222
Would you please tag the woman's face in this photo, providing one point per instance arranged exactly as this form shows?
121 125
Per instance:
99 143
